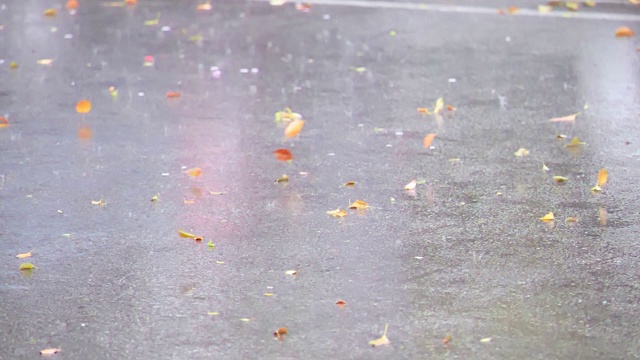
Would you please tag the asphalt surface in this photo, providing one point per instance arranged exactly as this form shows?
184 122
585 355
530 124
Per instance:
464 254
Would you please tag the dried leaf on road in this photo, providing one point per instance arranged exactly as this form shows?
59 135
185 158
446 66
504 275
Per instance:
280 333
282 179
624 32
337 213
27 266
24 255
283 154
194 172
560 179
571 117
349 184
185 234
411 185
575 142
548 217
341 303
83 106
428 140
50 351
173 94
293 129
383 340
358 204
603 175
438 106
521 152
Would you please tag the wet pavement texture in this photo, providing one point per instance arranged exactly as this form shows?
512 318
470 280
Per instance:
464 254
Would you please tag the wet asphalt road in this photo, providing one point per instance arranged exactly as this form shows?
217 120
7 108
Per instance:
465 254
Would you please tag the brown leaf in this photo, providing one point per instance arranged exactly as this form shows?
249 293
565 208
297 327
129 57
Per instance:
349 184
341 303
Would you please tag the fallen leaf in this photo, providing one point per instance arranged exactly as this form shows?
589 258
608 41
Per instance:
544 168
173 94
603 175
72 4
83 106
570 219
283 178
521 152
130 2
451 108
602 216
287 115
98 202
438 106
411 185
359 69
624 32
245 319
349 184
217 192
45 61
293 129
185 234
590 3
428 140
548 217
206 6
211 244
280 333
543 9
155 197
198 238
50 351
304 7
283 154
571 117
189 202
341 303
291 272
267 294
561 136
13 65
27 266
573 6
194 172
337 213
424 111
383 340
113 91
85 133
485 340
219 262
513 9
575 142
24 255
446 341
3 122
636 2
560 179
50 12
213 313
148 61
358 204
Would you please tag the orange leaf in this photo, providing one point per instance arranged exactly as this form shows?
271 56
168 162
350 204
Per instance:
512 9
131 2
84 133
450 108
83 106
205 6
293 129
3 122
173 94
280 333
194 172
423 111
428 140
358 204
72 4
341 303
50 351
624 32
283 154
411 185
602 177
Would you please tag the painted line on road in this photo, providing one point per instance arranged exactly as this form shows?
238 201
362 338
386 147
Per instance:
472 9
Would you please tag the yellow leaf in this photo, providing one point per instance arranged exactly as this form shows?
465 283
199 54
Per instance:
543 9
571 117
219 262
185 234
383 340
268 294
155 197
212 313
439 106
283 178
573 6
590 3
13 65
27 266
602 177
154 21
521 152
50 351
245 320
194 172
428 140
575 142
50 12
560 179
24 255
359 69
596 189
358 204
548 217
98 202
337 213
411 185
485 340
